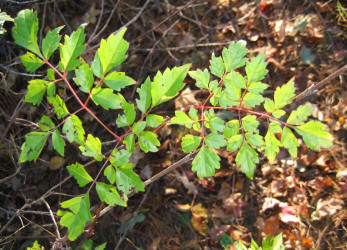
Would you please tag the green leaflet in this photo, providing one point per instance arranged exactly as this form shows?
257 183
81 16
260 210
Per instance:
31 62
129 111
92 148
252 100
315 135
84 77
80 174
46 123
106 98
271 145
215 140
126 179
73 130
290 142
213 122
145 96
50 89
71 49
110 54
181 118
36 90
284 94
138 127
148 141
269 105
118 80
58 142
234 56
190 143
300 115
256 69
33 145
278 113
129 142
232 128
257 87
25 30
234 142
234 79
217 66
154 120
250 123
120 158
110 174
255 140
51 42
89 245
247 159
166 85
77 218
205 163
109 194
59 106
202 78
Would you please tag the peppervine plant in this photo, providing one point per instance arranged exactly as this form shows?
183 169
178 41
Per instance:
229 90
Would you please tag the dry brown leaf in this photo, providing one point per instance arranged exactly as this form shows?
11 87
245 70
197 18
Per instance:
327 208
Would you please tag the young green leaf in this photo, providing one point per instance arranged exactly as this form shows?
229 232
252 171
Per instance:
129 111
252 100
129 142
213 122
46 123
234 142
122 121
110 54
36 90
290 142
126 179
181 118
109 194
315 135
234 79
190 143
77 218
275 243
58 142
271 146
120 158
84 77
166 85
80 174
71 49
202 78
138 127
59 106
269 105
234 56
73 130
300 115
205 163
247 158
51 42
278 113
256 69
33 145
51 89
92 148
31 62
215 140
255 140
250 123
106 98
284 94
24 32
154 120
148 141
257 87
145 96
217 66
232 128
118 80
227 98
110 174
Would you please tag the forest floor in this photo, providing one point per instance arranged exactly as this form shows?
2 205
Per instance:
302 198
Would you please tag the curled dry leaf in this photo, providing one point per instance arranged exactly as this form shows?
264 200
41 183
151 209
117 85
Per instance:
327 208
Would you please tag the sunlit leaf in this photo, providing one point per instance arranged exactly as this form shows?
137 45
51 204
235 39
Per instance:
109 194
126 179
250 123
148 141
46 123
33 145
31 62
284 94
202 78
214 140
217 66
300 115
271 145
256 69
59 106
106 98
234 56
145 96
290 142
51 42
118 80
58 142
247 159
92 148
84 77
315 135
80 174
190 143
36 90
205 163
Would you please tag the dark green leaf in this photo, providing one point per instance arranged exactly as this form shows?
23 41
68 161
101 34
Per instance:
46 123
129 110
231 128
110 174
120 158
80 174
73 130
33 145
205 163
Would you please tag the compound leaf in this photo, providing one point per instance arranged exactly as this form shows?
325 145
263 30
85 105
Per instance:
33 145
110 54
51 42
84 77
205 163
106 98
290 142
217 66
299 116
181 118
31 62
145 96
250 123
284 94
36 90
214 140
126 179
271 145
234 56
190 143
73 130
71 49
166 85
202 78
109 194
252 100
58 142
92 148
247 159
256 69
118 80
315 135
25 30
80 174
148 141
59 106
